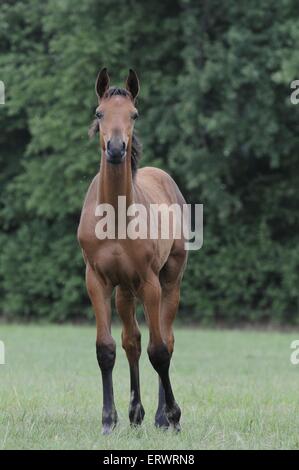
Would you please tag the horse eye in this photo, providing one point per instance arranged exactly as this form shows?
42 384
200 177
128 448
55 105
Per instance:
134 116
99 114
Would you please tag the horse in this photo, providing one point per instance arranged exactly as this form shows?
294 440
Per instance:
140 269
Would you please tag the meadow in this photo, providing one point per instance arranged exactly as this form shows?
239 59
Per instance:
237 390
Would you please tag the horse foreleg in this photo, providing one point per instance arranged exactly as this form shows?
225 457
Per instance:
131 342
158 351
100 297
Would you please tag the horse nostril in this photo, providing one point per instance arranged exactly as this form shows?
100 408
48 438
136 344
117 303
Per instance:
124 148
108 145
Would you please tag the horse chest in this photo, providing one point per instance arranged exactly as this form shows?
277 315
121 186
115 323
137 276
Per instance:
119 265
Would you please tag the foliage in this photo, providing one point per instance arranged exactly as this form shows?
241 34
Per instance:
215 113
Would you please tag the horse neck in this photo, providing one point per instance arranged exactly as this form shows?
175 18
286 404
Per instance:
115 181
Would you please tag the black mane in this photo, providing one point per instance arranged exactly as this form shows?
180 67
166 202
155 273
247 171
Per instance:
136 145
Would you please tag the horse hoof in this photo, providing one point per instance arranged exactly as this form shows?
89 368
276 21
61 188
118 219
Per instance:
161 421
136 414
108 428
109 422
176 428
173 415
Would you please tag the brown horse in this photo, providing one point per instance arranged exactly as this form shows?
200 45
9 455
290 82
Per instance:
143 268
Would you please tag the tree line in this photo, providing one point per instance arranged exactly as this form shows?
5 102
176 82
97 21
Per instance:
215 112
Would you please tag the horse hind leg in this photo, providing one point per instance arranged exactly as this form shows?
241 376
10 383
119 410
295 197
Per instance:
170 279
169 305
161 420
158 351
131 342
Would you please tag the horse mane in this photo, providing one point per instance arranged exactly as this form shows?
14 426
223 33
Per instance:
136 145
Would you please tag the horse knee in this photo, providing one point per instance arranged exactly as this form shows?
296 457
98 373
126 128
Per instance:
159 357
106 353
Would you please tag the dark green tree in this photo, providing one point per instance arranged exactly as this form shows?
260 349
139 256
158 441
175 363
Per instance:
215 112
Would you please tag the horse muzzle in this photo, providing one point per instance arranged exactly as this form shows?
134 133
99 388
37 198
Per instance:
115 151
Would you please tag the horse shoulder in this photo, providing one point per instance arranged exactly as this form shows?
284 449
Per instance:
160 185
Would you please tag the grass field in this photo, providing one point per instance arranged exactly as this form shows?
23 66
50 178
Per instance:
237 390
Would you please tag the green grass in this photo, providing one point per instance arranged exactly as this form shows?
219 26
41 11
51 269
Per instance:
237 389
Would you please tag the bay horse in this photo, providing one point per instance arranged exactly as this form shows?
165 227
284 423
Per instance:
149 270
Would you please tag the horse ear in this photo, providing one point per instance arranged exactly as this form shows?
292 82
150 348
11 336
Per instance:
132 84
102 82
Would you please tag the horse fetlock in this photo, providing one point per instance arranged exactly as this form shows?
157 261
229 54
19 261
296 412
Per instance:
106 355
159 357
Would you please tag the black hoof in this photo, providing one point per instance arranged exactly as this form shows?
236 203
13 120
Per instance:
175 427
136 414
107 429
173 415
109 423
161 420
